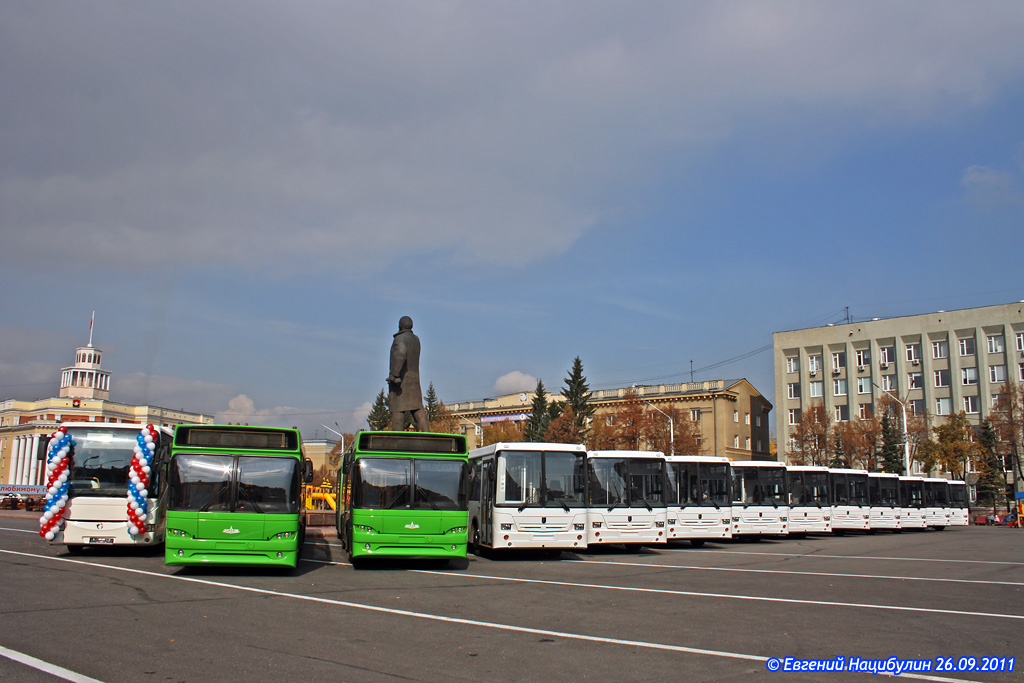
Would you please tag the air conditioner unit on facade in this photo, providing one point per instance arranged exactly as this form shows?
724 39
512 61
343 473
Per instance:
835 371
916 361
883 365
862 368
813 373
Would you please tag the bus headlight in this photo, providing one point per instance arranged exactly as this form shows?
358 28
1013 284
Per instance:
506 527
659 525
579 527
597 525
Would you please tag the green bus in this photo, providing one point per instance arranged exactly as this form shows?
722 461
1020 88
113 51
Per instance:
235 496
403 495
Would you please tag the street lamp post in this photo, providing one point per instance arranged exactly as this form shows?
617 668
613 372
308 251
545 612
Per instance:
671 428
906 440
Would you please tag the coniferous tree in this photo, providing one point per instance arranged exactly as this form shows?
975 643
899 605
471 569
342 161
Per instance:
539 417
892 454
379 417
432 403
577 397
991 483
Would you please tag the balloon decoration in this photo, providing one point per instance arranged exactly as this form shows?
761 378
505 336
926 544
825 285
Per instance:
138 480
58 466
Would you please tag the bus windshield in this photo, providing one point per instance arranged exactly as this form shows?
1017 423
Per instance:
760 485
958 495
629 482
540 479
225 483
936 494
699 483
100 459
808 488
883 491
406 483
911 494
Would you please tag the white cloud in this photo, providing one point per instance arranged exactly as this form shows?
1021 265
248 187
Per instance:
989 187
514 381
328 135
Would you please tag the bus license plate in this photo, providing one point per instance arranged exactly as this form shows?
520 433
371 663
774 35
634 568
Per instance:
102 540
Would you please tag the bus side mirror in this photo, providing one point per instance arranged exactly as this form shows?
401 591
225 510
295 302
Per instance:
307 471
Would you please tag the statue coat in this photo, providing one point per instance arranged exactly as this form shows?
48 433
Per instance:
405 364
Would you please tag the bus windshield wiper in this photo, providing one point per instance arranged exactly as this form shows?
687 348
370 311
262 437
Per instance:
615 504
559 501
423 492
647 505
256 506
526 501
401 489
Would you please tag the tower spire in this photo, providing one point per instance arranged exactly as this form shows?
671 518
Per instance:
91 321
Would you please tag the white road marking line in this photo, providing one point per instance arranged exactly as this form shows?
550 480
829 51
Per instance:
833 557
757 598
46 667
24 531
781 571
457 620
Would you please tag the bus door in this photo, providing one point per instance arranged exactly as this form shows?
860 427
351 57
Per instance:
487 502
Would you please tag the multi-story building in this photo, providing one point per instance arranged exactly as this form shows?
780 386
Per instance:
26 426
732 415
936 364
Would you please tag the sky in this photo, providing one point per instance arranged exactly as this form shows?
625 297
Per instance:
249 195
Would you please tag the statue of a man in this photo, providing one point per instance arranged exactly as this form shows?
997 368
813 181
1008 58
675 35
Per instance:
404 394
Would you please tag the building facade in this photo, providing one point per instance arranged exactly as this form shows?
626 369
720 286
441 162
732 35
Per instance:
26 426
936 364
732 416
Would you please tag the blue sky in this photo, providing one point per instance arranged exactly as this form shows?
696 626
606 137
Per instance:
250 195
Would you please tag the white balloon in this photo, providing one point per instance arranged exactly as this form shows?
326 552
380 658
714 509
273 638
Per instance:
134 530
61 503
146 469
50 535
63 477
143 493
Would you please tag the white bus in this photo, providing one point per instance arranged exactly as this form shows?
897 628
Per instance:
912 503
528 495
810 508
699 504
760 504
884 501
959 509
936 502
96 513
850 511
626 498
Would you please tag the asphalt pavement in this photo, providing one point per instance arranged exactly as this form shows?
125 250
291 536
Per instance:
727 611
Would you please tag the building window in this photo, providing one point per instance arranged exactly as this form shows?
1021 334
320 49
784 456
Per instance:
839 387
792 444
996 343
915 380
793 390
865 410
736 416
940 349
887 383
842 413
916 407
997 373
695 414
757 423
967 346
792 364
814 363
943 406
478 430
610 420
1020 372
914 353
794 416
759 445
746 443
969 376
746 418
839 360
863 357
1020 342
888 354
817 389
942 378
970 404
736 441
863 385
